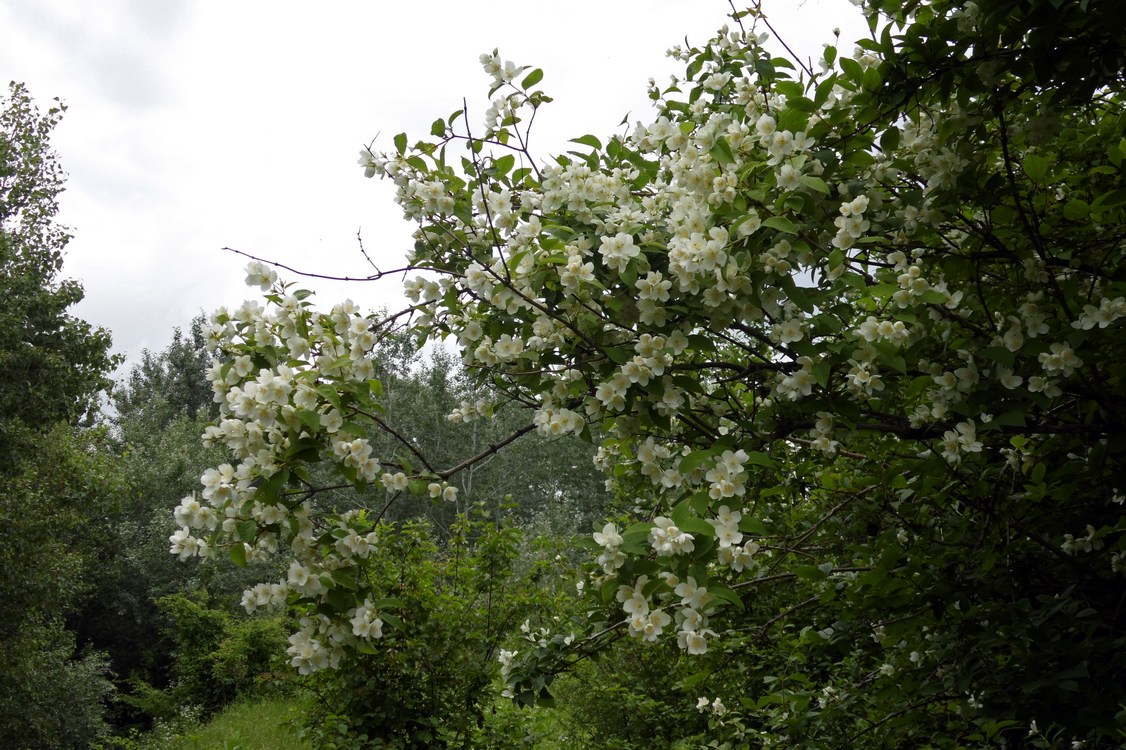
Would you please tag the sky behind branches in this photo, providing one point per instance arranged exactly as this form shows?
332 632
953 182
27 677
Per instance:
194 126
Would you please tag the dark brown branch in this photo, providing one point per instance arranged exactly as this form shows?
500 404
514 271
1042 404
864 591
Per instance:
401 438
495 447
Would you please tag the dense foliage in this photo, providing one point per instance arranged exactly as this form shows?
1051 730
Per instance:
443 613
849 335
54 482
829 353
52 365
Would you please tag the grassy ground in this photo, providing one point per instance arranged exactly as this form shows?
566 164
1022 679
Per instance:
269 723
253 724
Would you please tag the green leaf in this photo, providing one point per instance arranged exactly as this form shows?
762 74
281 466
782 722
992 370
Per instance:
757 458
1006 419
354 429
1110 200
629 273
697 527
438 128
504 163
609 590
635 539
1036 167
344 579
588 140
238 554
693 460
309 418
1000 354
721 151
681 513
752 525
531 79
933 297
693 680
618 355
341 600
401 143
872 78
889 140
1076 210
271 490
247 531
789 89
796 294
917 386
809 572
724 594
852 69
389 603
892 360
781 223
821 373
814 183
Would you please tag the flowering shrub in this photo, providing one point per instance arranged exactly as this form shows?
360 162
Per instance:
850 335
428 678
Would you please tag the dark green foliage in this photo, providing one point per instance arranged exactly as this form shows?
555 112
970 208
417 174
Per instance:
49 531
57 486
167 385
51 699
216 655
632 696
1068 48
52 365
429 680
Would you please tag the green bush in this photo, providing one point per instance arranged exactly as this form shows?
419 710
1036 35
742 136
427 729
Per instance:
49 699
428 682
630 696
217 657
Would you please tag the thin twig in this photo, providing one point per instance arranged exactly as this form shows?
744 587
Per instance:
307 274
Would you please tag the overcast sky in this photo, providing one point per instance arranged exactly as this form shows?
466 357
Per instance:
198 125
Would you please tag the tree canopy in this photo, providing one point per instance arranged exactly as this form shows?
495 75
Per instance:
55 483
52 365
848 335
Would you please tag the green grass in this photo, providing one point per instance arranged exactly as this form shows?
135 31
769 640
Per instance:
252 724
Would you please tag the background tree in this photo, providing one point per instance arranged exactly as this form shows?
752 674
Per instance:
52 365
56 483
550 481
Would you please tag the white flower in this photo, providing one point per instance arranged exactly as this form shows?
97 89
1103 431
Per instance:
691 595
788 177
185 545
617 251
766 126
260 275
666 539
788 331
608 537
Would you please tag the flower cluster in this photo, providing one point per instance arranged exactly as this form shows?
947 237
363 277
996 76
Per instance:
296 386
